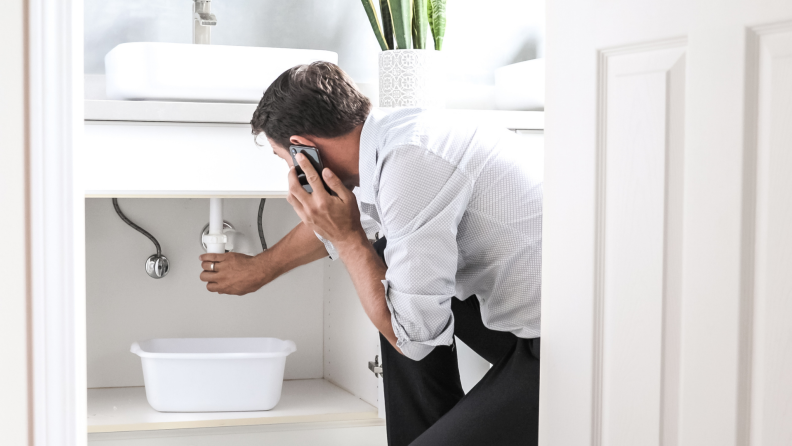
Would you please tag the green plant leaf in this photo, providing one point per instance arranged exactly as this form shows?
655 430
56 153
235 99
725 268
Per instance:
420 23
438 22
368 5
429 17
401 10
387 23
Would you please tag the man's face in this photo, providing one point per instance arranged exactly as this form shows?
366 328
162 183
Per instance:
281 152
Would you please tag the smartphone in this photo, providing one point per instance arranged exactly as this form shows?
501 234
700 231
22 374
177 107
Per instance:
312 153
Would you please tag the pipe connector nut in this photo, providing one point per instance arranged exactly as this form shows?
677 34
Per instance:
214 239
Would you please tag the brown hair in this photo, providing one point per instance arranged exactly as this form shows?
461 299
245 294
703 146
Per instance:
317 99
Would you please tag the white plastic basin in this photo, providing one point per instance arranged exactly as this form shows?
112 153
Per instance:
205 73
213 374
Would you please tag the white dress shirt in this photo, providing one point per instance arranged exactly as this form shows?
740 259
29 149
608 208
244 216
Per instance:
461 207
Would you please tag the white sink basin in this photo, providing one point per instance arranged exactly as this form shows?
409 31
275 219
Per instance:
521 86
205 73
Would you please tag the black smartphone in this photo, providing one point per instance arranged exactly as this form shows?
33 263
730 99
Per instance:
312 153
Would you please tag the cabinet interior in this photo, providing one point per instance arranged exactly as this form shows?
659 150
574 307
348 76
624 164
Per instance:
315 306
327 378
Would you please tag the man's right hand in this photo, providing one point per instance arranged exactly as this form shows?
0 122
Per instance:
234 273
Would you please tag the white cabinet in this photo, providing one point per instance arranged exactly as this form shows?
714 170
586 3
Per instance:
149 159
162 168
172 149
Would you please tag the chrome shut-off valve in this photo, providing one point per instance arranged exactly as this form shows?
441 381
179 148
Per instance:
157 266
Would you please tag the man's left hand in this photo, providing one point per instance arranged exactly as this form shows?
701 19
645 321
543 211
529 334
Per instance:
336 218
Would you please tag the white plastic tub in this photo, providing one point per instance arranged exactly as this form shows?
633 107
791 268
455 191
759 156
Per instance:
213 374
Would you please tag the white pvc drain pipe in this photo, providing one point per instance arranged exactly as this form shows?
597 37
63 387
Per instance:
215 241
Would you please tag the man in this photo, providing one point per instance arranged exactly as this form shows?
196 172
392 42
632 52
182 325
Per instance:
460 216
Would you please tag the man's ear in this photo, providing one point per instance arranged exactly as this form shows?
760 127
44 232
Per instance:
298 140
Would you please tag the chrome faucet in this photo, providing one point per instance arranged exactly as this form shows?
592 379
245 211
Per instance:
203 20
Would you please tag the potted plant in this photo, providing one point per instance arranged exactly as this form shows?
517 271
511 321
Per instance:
410 75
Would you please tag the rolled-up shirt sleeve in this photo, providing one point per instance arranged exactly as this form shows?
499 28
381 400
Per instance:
422 255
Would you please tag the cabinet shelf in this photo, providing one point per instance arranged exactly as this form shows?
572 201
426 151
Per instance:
125 409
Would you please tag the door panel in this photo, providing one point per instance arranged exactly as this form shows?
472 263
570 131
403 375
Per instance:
637 329
666 264
771 389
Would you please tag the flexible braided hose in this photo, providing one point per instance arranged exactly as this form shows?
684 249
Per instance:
260 227
136 227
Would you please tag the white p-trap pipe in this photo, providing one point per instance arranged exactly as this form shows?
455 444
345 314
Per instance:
216 240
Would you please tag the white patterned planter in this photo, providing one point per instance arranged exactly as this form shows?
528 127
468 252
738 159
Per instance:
411 78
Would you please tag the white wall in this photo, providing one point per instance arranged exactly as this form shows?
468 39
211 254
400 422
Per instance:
480 37
14 267
125 305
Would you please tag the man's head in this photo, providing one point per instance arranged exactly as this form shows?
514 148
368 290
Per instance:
315 105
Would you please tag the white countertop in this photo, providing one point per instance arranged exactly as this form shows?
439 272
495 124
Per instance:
125 409
228 113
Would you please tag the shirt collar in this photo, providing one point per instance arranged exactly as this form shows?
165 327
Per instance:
367 164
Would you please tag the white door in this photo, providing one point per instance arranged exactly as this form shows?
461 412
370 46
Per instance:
667 299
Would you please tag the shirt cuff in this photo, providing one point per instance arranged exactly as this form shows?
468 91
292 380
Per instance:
415 349
331 251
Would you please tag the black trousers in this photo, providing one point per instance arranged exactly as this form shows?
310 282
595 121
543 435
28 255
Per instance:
424 401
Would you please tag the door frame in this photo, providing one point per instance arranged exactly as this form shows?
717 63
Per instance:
55 202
